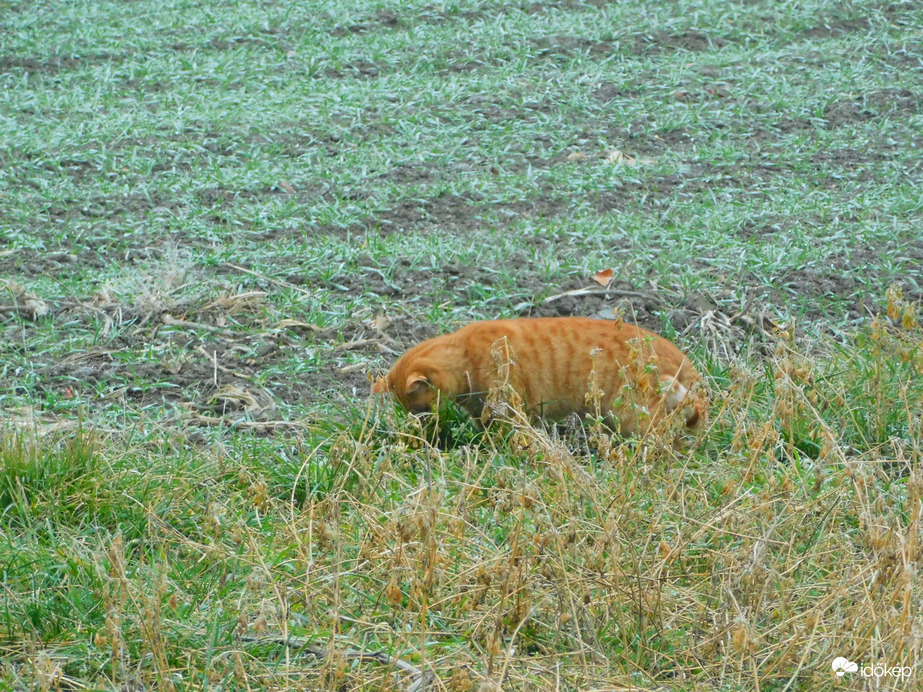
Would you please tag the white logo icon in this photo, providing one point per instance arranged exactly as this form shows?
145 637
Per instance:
841 666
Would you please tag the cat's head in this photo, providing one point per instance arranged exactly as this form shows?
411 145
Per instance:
415 385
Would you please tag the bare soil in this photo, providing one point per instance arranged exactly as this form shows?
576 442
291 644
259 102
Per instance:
237 349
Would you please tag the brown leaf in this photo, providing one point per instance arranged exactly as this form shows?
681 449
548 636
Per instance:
618 156
287 186
379 323
603 277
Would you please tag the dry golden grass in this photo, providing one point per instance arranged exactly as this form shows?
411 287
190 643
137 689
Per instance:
389 554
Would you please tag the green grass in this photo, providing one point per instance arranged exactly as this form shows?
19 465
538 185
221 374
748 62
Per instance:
310 189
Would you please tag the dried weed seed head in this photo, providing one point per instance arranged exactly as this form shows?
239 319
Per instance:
461 680
594 393
743 641
895 297
393 590
502 401
213 520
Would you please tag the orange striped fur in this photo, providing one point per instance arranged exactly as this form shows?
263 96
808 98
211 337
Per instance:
638 376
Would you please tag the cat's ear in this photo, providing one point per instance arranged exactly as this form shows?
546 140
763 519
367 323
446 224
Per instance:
380 386
416 383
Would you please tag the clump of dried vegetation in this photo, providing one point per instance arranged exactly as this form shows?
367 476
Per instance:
381 555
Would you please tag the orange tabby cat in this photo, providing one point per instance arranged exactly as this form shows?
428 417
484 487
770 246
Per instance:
637 375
